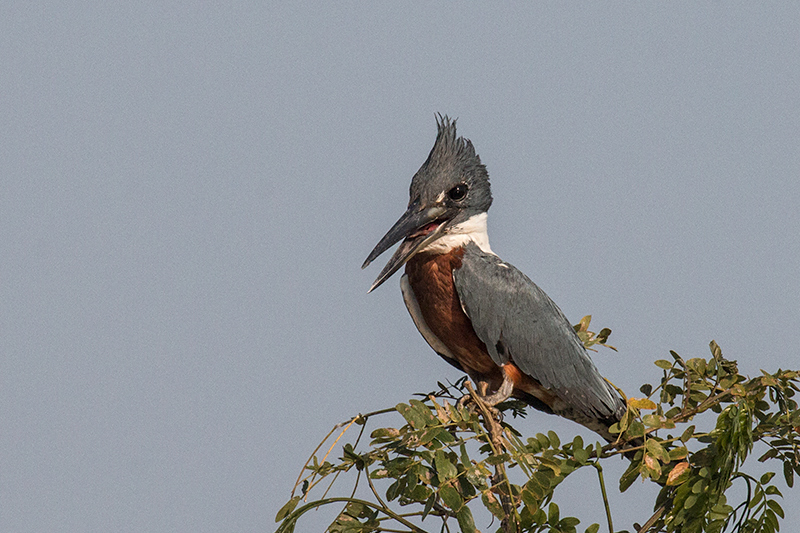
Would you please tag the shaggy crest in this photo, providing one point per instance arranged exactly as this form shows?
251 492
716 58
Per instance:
452 160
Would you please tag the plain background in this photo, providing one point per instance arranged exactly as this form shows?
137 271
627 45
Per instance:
188 191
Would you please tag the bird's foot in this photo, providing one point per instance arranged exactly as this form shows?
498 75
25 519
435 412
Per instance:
502 394
492 417
464 401
489 400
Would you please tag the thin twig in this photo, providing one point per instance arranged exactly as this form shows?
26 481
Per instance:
385 510
336 476
605 496
653 519
520 449
312 483
314 453
348 423
372 487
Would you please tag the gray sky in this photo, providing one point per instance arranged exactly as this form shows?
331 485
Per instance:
188 194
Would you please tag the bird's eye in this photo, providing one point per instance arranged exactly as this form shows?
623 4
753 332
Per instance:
458 192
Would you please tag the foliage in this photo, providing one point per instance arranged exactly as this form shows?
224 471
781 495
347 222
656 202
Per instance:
450 457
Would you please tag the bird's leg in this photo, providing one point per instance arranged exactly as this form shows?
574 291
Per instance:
502 394
490 400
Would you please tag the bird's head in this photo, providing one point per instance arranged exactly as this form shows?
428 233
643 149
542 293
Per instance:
448 194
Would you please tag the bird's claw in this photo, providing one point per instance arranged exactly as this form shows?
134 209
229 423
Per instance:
490 400
463 401
468 402
502 394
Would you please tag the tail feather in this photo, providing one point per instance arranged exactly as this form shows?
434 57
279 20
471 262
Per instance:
600 425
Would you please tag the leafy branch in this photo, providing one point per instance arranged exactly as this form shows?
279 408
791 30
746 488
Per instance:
448 459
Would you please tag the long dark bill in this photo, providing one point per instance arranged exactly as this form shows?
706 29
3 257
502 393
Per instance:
417 227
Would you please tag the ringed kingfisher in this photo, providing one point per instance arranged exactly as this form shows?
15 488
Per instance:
482 315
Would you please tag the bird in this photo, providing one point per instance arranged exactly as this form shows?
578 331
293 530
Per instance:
478 312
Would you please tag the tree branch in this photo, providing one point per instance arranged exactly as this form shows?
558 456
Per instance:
510 522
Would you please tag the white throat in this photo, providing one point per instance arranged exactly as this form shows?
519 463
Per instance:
471 230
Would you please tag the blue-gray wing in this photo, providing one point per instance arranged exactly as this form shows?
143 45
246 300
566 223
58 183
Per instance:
517 321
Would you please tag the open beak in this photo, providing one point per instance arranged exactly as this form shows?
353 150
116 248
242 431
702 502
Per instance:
417 227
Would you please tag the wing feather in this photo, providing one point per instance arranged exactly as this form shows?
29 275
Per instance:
517 321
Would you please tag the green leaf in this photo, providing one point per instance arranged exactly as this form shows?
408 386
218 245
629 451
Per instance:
381 473
356 510
568 523
411 415
652 421
530 498
642 403
556 443
594 528
627 479
428 505
287 527
697 365
757 497
444 467
775 506
419 493
444 436
490 502
771 521
772 490
687 434
424 413
451 497
658 451
663 363
465 520
581 455
675 411
396 488
476 476
287 508
464 455
690 501
716 351
788 474
540 483
495 460
385 434
552 514
679 474
699 486
625 421
636 429
428 436
678 453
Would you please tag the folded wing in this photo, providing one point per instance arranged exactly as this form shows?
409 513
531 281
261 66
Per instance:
519 323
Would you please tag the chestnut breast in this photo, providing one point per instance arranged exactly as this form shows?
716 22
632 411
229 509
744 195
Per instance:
431 278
